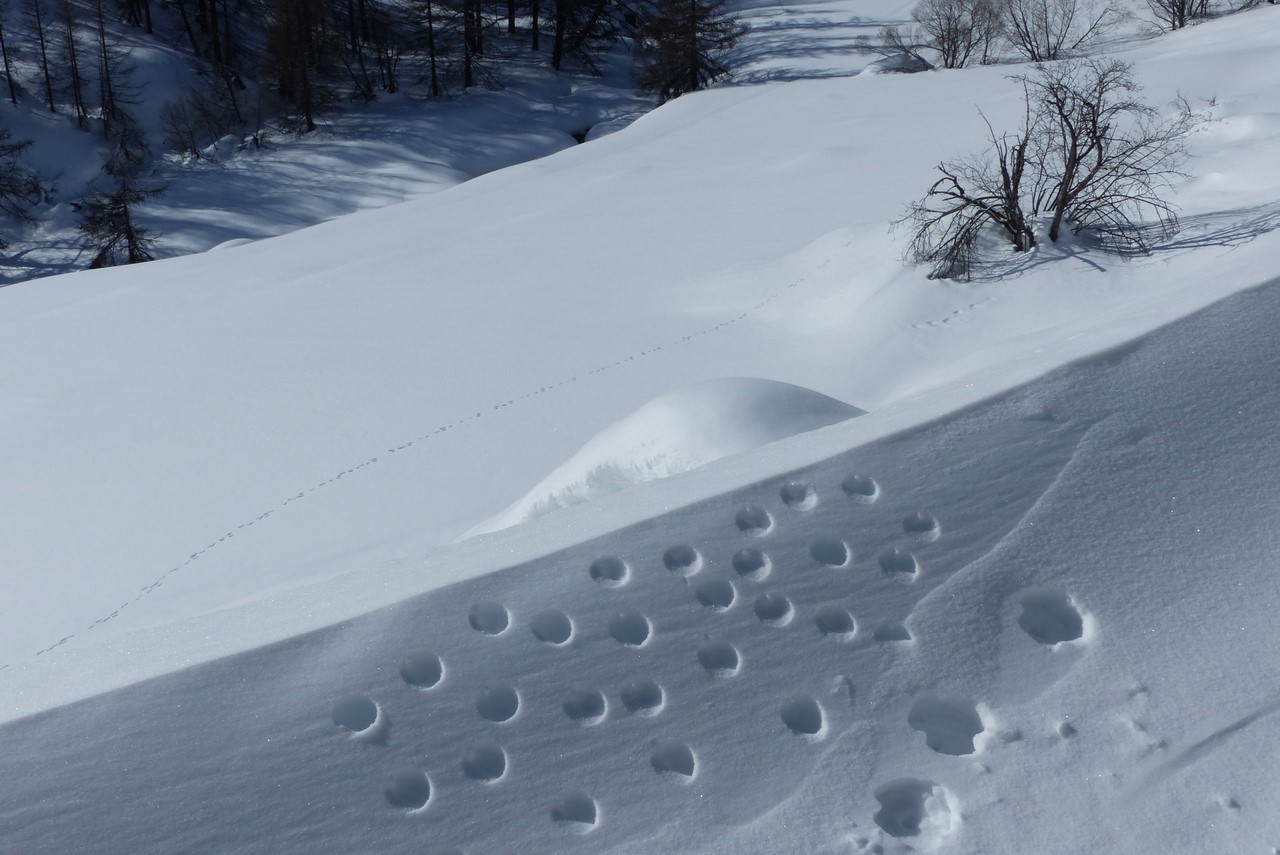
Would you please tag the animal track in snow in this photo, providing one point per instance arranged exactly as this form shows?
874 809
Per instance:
715 594
897 561
356 713
683 560
552 627
498 704
1050 617
861 488
719 658
408 790
586 706
486 763
921 526
835 621
803 716
630 628
610 571
752 564
754 520
644 697
675 760
576 811
949 726
800 496
423 669
830 552
910 807
774 609
489 618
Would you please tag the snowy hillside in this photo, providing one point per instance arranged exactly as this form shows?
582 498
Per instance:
1023 604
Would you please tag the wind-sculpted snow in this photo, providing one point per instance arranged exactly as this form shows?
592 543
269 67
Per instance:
705 661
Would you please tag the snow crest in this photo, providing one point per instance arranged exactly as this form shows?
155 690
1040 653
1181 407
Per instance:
676 432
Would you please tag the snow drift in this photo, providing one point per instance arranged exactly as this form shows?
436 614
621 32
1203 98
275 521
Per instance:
673 433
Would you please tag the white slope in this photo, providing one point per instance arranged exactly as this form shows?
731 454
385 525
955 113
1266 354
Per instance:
676 432
204 430
235 474
1041 624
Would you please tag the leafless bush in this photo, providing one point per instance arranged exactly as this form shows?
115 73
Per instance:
1089 153
1046 30
958 32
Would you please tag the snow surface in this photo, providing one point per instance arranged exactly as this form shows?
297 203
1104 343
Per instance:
676 432
1024 604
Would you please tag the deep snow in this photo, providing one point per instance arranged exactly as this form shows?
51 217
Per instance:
1023 605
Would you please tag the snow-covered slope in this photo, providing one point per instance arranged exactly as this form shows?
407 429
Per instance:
1006 611
676 432
970 636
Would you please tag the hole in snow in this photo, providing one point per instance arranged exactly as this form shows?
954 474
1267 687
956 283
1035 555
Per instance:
487 763
754 520
861 488
949 726
682 559
610 571
835 621
356 713
408 790
829 552
489 618
921 526
896 560
586 706
422 669
1050 617
910 807
803 716
630 628
674 759
774 609
715 594
643 697
752 564
552 626
799 496
575 810
720 658
499 704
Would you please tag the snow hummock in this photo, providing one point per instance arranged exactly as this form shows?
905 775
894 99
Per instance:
675 432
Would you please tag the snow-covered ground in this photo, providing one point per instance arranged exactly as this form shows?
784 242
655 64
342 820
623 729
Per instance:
1024 604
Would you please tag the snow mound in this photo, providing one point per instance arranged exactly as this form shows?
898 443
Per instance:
676 432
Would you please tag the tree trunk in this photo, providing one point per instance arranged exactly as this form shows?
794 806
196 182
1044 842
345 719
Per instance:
8 68
44 56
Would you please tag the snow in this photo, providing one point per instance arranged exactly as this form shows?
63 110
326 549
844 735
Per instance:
676 432
1024 604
